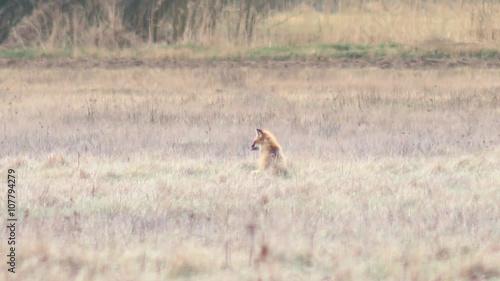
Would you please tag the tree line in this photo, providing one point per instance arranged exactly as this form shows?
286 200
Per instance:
121 23
149 20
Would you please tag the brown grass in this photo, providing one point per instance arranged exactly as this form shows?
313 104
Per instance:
437 23
431 25
144 174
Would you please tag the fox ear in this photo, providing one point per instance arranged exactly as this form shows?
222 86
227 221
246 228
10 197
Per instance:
259 131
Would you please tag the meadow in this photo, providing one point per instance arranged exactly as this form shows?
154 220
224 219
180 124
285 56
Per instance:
143 173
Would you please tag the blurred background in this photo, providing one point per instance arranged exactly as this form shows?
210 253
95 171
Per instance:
439 27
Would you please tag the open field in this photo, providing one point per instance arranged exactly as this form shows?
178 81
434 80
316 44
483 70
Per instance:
144 173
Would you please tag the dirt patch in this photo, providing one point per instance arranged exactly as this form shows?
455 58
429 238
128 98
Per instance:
397 63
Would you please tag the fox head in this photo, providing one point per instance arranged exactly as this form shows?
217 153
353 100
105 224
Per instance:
259 140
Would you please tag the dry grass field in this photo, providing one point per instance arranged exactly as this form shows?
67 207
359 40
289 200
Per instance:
144 173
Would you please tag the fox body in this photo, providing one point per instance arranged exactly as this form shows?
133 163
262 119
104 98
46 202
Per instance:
271 154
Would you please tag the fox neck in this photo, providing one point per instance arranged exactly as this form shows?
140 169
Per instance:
268 147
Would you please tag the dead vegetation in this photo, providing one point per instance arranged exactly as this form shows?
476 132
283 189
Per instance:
144 173
192 28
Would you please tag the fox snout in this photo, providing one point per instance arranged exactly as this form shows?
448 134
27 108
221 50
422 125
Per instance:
258 140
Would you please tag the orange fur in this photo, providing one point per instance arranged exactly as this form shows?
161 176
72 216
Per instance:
271 153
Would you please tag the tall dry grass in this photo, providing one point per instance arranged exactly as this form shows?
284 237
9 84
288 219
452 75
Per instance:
436 24
327 112
145 174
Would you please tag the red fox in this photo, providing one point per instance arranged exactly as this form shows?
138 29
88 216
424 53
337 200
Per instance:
271 154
